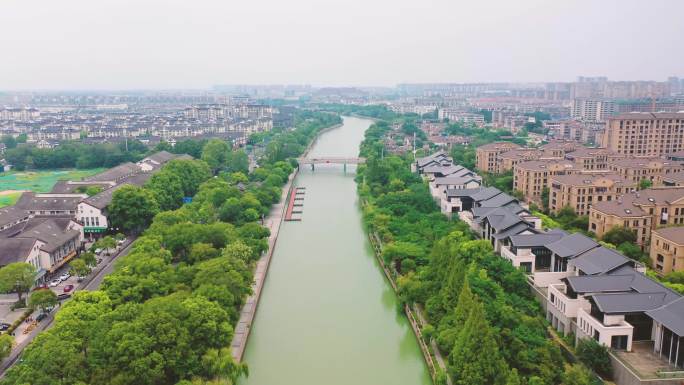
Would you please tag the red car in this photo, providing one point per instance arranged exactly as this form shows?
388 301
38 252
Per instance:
40 287
68 288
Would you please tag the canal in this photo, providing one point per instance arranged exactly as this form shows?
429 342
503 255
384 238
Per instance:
327 315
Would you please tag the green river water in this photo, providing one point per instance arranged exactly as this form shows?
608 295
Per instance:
327 315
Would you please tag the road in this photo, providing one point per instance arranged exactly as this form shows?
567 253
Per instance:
93 282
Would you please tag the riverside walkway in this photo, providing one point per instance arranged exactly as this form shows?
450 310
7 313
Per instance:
248 311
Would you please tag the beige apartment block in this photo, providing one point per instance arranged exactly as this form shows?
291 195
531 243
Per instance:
593 159
667 249
642 211
487 155
603 216
653 169
581 191
645 134
507 160
531 177
559 147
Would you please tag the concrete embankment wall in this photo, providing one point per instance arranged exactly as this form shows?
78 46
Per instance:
248 311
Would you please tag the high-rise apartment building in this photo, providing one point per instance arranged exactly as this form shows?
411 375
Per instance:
592 110
645 134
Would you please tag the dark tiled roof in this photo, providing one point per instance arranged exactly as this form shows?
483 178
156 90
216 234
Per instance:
47 202
514 230
454 180
116 173
671 315
600 260
11 214
486 193
15 249
572 245
467 192
623 303
542 239
498 200
51 233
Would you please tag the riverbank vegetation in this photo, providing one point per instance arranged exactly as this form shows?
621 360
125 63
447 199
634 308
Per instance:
166 314
481 312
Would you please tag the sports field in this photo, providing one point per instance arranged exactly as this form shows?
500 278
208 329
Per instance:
14 182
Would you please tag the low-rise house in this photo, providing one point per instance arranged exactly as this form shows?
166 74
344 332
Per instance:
500 216
464 179
529 251
441 170
613 308
45 242
92 211
49 204
439 158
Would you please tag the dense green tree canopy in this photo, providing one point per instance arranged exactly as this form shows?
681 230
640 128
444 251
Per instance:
132 208
17 277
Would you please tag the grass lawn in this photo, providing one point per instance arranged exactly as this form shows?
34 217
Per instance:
9 199
40 181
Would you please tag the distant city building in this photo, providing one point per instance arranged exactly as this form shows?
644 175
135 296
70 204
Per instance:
645 134
592 110
456 115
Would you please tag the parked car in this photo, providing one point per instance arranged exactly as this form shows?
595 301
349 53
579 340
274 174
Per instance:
41 317
121 241
98 251
4 326
63 296
80 278
40 287
55 282
65 276
68 288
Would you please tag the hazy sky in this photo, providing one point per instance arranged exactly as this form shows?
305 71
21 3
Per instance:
123 44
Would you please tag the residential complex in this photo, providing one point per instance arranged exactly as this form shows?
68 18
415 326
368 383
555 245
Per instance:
588 290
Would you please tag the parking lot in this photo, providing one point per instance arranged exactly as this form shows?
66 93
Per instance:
59 283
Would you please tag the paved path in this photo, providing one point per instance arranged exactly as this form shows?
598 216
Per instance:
91 283
433 343
273 221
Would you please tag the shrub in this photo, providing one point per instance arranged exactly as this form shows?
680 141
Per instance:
595 356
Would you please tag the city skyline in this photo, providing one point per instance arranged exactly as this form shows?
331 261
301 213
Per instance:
77 45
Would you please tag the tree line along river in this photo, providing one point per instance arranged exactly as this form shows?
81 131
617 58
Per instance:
326 314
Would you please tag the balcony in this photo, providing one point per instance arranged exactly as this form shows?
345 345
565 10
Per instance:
604 331
566 305
545 278
523 255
